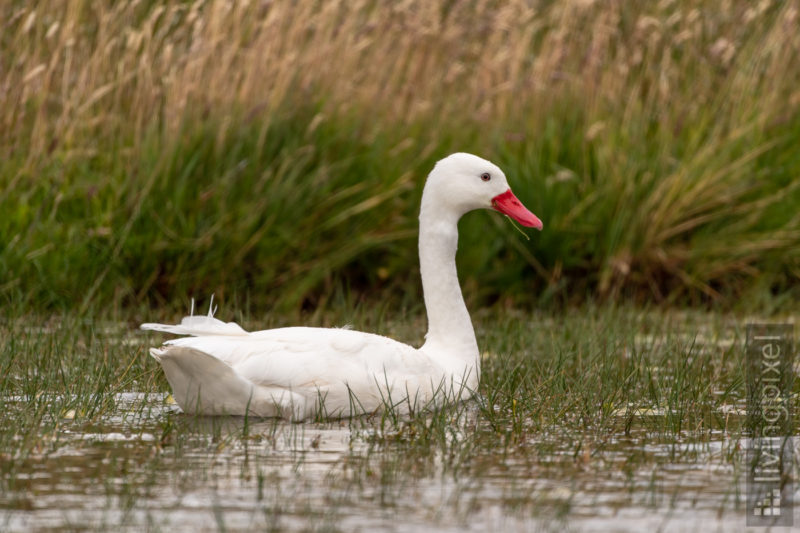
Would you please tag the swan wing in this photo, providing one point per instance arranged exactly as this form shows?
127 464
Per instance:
347 371
299 357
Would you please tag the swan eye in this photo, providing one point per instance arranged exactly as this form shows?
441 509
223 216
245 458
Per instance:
486 176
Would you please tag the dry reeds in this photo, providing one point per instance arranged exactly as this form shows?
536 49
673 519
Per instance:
77 66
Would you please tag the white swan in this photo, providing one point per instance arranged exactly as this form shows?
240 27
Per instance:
301 372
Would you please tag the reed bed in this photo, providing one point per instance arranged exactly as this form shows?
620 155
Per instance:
275 151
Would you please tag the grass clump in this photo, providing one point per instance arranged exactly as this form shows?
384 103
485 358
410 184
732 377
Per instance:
155 149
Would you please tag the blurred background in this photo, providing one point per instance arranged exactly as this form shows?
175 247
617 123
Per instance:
274 152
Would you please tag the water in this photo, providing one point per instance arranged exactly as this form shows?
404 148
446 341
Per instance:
146 465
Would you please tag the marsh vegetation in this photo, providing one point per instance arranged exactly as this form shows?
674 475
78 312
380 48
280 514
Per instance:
587 419
159 149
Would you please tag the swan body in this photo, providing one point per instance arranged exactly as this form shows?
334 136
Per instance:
300 372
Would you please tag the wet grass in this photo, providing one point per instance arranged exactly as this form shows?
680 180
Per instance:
597 415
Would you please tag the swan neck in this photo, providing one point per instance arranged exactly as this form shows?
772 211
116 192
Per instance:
450 332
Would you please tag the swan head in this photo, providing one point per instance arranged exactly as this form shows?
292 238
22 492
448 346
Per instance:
461 182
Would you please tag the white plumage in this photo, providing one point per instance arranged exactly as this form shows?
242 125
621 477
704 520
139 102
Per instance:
302 372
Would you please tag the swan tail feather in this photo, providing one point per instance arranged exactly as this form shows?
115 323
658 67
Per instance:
198 326
203 384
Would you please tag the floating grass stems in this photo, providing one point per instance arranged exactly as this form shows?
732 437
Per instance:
153 150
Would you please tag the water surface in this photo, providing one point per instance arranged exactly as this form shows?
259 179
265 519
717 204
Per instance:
144 464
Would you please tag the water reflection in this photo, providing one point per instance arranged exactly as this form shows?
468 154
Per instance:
143 464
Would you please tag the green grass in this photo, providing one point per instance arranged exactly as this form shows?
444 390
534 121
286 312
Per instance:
286 224
600 393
